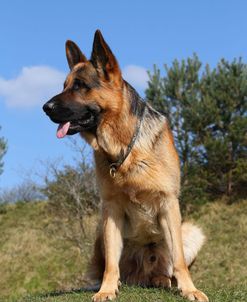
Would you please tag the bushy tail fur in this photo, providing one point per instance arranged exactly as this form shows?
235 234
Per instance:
193 240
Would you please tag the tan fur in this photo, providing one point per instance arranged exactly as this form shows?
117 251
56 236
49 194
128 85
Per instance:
141 239
141 264
149 199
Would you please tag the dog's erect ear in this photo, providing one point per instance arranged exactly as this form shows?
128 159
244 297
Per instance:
103 59
74 54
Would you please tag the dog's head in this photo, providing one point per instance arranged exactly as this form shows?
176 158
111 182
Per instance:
92 88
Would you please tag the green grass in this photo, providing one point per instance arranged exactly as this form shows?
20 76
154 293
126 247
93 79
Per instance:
37 258
136 294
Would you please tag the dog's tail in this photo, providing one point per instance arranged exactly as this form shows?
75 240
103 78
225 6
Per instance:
193 240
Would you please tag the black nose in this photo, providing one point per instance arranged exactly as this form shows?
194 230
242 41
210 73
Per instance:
48 107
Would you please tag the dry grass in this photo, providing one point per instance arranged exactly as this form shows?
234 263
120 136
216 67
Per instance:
223 260
34 254
36 257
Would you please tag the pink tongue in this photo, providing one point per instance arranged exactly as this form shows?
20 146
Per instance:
62 129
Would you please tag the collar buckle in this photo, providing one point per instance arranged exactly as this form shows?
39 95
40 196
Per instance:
114 166
113 170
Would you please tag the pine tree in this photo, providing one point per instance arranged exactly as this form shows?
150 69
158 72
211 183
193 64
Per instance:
3 149
208 115
222 125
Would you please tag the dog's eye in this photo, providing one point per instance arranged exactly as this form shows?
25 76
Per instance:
76 85
79 85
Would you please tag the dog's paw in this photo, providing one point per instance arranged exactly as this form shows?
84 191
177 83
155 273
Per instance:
161 282
195 295
105 296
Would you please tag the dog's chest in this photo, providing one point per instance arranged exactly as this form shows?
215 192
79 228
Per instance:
141 220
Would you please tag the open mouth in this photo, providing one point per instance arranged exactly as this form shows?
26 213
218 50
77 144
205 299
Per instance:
73 127
74 118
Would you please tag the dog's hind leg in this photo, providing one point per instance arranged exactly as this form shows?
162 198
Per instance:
161 281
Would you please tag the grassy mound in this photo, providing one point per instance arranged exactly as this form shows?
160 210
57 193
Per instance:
37 258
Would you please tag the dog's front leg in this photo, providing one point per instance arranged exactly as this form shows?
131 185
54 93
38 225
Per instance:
170 220
113 244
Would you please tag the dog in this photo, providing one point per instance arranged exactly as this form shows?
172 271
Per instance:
141 239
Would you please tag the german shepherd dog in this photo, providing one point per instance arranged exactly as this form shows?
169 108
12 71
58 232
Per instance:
141 239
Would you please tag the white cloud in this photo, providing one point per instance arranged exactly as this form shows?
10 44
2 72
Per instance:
36 84
137 76
33 86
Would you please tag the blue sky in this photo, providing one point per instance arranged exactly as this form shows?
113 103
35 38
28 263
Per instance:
140 33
